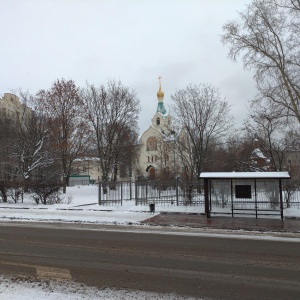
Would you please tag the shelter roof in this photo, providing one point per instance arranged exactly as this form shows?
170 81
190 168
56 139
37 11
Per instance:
245 175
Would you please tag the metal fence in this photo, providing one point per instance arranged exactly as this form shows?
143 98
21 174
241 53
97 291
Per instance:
180 193
168 193
172 192
291 194
114 193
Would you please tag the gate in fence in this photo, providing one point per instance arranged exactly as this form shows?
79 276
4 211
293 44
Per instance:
114 193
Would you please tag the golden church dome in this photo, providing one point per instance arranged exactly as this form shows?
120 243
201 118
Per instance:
160 93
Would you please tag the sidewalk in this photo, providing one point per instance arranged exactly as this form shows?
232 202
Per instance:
236 223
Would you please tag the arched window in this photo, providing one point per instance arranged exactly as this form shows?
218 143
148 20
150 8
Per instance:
151 143
158 121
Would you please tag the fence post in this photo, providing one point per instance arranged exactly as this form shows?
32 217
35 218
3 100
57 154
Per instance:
147 192
99 193
281 202
177 196
121 193
231 189
136 191
159 185
206 196
255 197
130 191
209 188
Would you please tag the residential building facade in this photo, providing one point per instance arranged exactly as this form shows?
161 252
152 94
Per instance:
12 108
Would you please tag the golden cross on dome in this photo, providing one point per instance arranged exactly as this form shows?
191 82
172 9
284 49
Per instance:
159 79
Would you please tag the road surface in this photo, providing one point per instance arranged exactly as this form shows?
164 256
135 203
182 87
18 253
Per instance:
199 266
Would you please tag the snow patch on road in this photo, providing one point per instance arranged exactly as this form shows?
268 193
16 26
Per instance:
28 288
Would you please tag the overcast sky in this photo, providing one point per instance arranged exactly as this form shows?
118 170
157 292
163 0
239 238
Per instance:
134 41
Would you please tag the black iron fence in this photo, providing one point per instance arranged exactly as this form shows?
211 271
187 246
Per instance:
291 194
114 193
172 192
168 193
179 193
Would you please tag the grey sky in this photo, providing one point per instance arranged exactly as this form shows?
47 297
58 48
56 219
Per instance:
134 41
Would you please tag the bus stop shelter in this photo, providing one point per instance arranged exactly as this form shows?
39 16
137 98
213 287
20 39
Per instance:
258 193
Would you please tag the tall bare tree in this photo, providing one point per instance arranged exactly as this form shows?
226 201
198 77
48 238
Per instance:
25 135
204 119
265 143
112 112
267 36
237 153
272 134
294 5
7 130
29 146
62 107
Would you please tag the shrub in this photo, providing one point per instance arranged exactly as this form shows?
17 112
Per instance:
14 190
46 192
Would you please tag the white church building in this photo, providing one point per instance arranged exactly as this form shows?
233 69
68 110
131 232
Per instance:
157 151
157 156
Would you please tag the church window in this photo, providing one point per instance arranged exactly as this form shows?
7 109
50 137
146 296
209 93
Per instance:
151 143
158 121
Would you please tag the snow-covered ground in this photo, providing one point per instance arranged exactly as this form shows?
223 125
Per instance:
18 288
79 205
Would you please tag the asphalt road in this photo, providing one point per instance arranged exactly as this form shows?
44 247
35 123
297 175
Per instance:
204 267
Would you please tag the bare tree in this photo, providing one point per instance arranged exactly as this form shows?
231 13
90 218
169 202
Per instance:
29 150
62 107
7 129
125 151
272 134
25 134
293 5
238 150
165 157
112 112
267 37
204 119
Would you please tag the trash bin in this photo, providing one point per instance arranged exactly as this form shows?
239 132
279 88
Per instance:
152 207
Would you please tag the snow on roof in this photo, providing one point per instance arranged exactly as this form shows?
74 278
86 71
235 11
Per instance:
245 175
257 153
